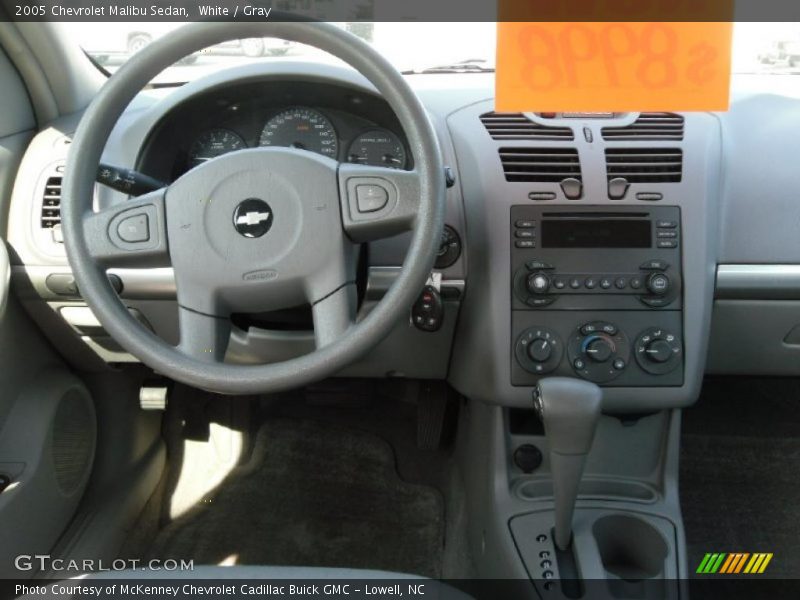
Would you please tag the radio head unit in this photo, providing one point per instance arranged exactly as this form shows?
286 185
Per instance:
583 259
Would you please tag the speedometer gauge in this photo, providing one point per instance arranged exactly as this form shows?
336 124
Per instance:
302 128
379 148
213 143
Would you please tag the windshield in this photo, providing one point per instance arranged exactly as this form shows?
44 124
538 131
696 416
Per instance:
758 48
409 46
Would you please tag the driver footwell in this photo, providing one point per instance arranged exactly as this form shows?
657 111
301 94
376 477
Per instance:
308 492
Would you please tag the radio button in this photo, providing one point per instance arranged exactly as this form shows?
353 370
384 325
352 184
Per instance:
559 284
605 283
667 234
537 265
540 302
525 244
636 282
525 233
575 283
655 265
666 224
620 283
590 283
667 244
526 224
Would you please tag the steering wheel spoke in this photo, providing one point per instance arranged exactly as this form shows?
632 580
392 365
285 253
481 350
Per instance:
377 202
132 233
204 337
334 314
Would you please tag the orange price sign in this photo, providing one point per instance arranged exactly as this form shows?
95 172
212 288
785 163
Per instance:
612 66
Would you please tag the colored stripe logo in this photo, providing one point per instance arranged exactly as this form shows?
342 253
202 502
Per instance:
734 563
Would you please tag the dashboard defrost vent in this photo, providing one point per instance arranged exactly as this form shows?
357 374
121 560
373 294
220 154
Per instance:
540 164
516 126
648 127
645 165
51 203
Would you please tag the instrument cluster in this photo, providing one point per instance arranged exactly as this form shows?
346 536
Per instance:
307 129
336 122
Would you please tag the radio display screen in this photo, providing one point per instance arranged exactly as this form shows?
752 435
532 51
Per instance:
596 233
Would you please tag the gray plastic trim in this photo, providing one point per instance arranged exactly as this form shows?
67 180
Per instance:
754 282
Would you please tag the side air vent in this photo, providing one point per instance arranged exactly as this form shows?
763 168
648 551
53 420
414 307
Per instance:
51 203
644 165
516 126
540 164
652 126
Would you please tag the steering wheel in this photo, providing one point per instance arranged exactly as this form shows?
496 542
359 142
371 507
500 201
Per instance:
255 230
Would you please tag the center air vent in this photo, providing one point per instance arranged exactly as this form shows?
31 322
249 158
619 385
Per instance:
648 127
51 203
540 164
516 126
644 165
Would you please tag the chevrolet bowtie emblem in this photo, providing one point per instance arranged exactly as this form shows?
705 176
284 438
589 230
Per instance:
252 218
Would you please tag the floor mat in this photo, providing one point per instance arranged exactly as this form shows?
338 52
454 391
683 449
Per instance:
314 495
739 462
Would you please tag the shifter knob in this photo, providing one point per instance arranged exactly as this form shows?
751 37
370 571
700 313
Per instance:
570 410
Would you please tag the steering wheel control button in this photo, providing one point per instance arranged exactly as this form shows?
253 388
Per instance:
538 350
371 197
658 351
134 229
598 351
252 218
427 314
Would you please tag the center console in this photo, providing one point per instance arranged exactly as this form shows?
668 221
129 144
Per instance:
597 294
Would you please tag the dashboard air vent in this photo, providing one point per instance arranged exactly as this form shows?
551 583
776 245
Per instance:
51 203
651 126
644 165
516 126
540 164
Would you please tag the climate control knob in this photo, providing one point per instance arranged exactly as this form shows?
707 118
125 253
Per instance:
599 350
538 283
658 284
658 351
540 350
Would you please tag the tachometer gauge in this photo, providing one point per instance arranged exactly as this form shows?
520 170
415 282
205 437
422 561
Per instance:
213 143
379 148
302 128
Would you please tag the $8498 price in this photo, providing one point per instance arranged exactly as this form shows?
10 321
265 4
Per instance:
616 55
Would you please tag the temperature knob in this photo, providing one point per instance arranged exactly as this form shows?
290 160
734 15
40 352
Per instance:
599 351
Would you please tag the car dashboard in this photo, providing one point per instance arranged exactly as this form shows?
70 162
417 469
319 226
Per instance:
635 250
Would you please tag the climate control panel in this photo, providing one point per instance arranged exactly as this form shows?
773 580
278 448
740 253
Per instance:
618 348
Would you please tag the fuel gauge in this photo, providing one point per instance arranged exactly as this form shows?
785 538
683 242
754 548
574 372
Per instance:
378 148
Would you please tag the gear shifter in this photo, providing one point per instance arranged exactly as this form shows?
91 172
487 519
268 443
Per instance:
570 409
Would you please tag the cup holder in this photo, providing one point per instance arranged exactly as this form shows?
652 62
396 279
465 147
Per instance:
630 548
